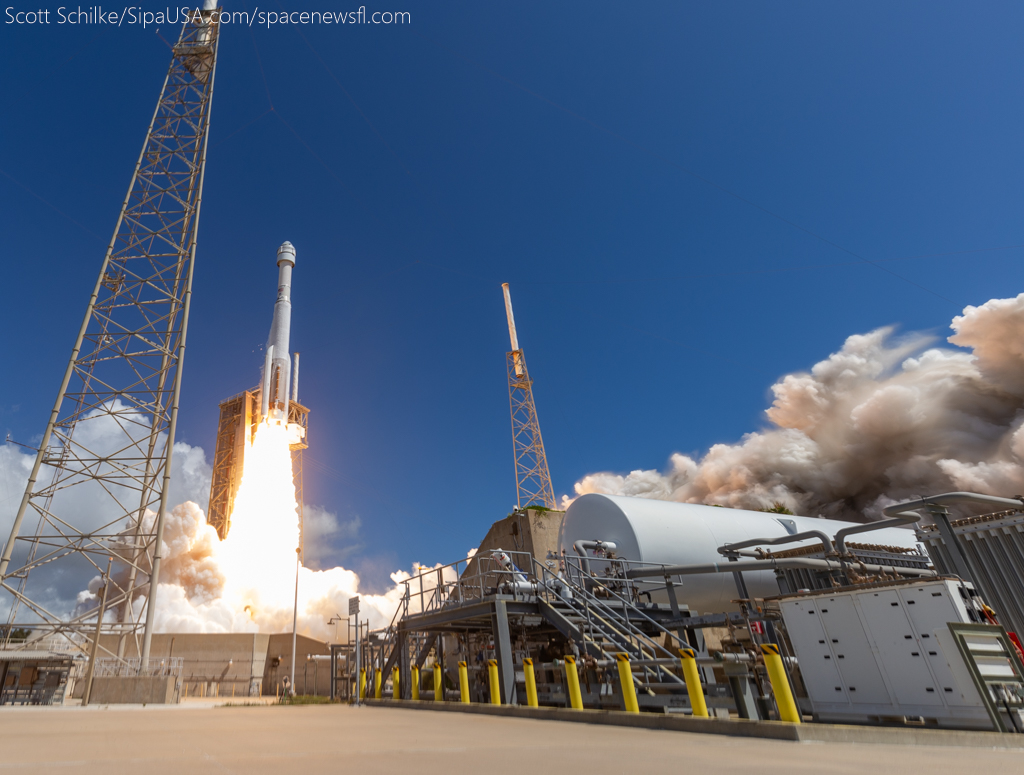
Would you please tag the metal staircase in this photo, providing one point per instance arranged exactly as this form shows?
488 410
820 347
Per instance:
603 627
599 617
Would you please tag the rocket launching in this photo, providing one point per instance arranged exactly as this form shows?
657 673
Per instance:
274 401
278 378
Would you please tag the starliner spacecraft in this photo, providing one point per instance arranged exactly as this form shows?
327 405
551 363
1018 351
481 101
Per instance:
275 400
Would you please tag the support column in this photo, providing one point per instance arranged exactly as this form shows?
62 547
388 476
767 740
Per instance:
503 647
961 562
404 674
673 603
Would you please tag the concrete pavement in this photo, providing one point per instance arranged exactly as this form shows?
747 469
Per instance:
194 739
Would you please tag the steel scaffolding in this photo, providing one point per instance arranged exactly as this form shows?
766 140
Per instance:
533 479
99 484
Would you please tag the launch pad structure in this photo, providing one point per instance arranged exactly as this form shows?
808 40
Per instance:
533 477
239 417
110 436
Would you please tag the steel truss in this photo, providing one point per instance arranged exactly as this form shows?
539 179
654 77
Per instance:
533 479
99 484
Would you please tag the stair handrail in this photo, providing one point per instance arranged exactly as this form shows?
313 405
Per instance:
633 638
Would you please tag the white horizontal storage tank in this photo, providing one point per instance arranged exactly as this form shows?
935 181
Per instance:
670 533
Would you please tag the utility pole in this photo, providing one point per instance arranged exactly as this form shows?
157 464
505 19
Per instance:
353 610
533 479
295 617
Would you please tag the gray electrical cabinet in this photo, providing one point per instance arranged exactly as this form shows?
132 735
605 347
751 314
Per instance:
884 653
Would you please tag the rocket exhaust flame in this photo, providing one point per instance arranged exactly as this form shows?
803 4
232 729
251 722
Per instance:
245 583
257 555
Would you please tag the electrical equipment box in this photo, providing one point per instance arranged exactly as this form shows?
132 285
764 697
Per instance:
885 653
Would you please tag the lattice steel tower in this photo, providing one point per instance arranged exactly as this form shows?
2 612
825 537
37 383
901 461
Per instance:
98 487
533 479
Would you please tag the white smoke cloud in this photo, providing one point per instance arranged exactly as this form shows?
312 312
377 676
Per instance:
322 532
195 594
192 593
884 419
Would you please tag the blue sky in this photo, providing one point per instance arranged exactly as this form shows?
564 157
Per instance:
688 199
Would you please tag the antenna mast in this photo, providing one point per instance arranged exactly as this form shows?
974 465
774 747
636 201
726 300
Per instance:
533 479
99 484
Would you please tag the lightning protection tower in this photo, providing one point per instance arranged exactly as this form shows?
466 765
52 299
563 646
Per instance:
533 479
98 488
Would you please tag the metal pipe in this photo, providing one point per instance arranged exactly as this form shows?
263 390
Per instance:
773 564
826 542
907 518
903 513
295 380
582 546
953 497
935 504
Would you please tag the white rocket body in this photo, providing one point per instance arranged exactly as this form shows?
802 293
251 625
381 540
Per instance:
277 369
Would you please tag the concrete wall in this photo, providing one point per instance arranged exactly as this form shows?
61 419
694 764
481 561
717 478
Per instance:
215 664
535 532
230 665
145 690
311 676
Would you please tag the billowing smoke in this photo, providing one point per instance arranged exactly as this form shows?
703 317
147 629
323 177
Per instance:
243 584
884 419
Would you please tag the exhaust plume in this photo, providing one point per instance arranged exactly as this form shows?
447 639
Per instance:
884 419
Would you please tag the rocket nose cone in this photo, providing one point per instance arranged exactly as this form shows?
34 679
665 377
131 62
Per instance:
286 253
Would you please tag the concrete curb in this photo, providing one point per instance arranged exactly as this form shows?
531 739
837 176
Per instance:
769 730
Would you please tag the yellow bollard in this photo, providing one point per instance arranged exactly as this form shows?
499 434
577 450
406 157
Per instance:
572 678
492 675
438 684
395 693
780 683
692 678
531 683
376 684
414 687
626 682
463 683
362 683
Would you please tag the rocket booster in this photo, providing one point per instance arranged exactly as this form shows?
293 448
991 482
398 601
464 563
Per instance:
278 380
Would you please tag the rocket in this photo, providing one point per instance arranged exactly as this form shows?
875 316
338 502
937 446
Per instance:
279 380
274 401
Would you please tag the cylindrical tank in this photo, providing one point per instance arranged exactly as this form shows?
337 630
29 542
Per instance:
670 533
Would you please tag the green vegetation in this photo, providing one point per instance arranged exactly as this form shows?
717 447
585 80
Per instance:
304 699
778 508
18 634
